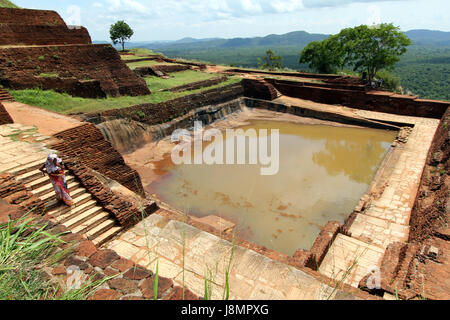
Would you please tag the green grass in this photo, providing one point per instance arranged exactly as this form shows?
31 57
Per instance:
7 4
143 52
178 79
129 57
66 104
49 75
134 65
25 249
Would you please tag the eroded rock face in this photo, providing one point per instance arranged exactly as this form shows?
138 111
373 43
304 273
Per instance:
5 118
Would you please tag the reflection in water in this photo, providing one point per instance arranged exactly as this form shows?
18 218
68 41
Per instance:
324 171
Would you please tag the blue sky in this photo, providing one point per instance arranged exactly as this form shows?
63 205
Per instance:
175 19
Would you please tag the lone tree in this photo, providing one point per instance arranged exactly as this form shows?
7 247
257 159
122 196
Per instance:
270 61
365 49
120 32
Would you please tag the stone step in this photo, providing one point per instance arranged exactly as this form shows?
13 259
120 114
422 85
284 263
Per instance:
100 229
64 213
33 165
82 217
30 176
50 197
41 182
47 190
20 159
106 236
79 199
91 223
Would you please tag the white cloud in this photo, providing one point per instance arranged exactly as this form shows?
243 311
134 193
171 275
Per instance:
337 3
127 6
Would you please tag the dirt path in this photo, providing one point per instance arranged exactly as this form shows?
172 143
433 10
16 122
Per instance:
47 122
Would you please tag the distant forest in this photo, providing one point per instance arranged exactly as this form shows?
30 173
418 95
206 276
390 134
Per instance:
424 70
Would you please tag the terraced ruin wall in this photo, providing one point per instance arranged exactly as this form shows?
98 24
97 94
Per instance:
152 114
380 101
432 204
160 68
30 17
87 145
19 34
325 84
29 67
287 74
5 118
259 89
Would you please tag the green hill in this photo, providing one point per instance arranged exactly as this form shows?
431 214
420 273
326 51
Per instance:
7 4
424 70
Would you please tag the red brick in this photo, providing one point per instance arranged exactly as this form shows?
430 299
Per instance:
177 294
106 294
137 273
104 258
124 285
86 249
122 264
59 270
164 284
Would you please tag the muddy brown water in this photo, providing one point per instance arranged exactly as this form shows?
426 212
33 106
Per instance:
323 172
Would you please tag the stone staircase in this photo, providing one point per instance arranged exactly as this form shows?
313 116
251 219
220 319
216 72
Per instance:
86 217
5 96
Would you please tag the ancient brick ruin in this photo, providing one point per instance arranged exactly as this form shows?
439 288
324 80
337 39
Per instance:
87 144
358 97
4 115
62 58
165 111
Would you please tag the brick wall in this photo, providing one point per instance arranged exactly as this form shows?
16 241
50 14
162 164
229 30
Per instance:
380 101
22 67
30 17
152 114
19 34
259 89
87 145
4 115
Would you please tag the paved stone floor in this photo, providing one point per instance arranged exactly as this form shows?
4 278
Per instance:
387 219
157 239
15 152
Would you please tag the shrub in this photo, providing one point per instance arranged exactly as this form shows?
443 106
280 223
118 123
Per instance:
140 114
390 82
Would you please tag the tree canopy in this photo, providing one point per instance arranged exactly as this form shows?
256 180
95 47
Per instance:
270 61
366 49
324 56
120 32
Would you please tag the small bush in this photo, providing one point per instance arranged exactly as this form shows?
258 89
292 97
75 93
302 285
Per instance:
140 114
41 58
390 82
